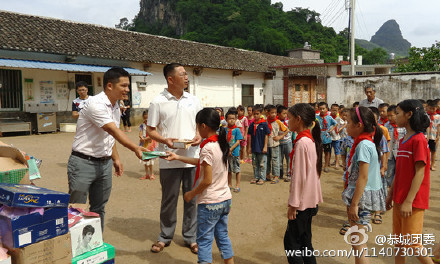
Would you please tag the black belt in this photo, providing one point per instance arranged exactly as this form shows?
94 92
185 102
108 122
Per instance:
87 157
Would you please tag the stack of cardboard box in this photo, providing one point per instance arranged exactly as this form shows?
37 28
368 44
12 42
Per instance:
21 233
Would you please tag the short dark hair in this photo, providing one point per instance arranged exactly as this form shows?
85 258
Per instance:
323 103
240 108
383 105
81 84
355 104
345 110
369 85
233 110
341 106
145 112
375 111
88 229
169 68
270 107
113 75
230 113
392 108
336 105
258 108
281 108
422 101
432 103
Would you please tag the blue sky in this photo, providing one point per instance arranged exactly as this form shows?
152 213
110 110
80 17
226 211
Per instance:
418 20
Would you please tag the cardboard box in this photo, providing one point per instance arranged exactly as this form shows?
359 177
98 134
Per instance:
56 251
86 235
112 261
13 166
19 195
32 228
9 261
96 256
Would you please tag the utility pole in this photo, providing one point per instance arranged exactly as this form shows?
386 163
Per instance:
352 42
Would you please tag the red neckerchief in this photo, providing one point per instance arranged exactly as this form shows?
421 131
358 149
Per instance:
317 112
396 134
361 137
269 122
230 128
324 122
335 116
257 123
383 120
241 118
222 118
213 138
438 112
305 133
431 115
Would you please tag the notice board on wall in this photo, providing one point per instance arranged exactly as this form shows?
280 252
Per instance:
46 92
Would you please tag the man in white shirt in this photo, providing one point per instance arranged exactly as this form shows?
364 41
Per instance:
94 151
78 103
172 116
372 100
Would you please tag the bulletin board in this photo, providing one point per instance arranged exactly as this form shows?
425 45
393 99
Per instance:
46 92
62 90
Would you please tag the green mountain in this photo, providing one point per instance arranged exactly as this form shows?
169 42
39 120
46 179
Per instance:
390 38
366 44
247 24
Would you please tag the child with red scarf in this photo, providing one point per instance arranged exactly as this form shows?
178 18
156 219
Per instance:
259 135
243 124
433 131
305 187
213 194
285 143
409 195
222 117
326 123
383 113
250 118
234 138
277 131
364 191
396 134
334 133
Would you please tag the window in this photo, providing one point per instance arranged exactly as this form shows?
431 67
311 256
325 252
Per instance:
247 94
10 90
87 78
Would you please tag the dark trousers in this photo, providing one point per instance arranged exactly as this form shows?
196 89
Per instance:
298 236
126 118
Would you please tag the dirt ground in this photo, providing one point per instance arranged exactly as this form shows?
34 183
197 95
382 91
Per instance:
256 224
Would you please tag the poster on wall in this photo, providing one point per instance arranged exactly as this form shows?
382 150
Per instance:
62 90
46 92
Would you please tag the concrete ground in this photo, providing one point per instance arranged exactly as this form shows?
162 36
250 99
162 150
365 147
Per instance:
256 224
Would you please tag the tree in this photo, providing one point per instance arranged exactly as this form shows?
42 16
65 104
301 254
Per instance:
421 59
124 24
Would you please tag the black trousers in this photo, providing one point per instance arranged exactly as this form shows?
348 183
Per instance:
298 236
126 118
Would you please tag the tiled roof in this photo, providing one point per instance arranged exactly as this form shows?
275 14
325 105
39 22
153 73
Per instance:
40 34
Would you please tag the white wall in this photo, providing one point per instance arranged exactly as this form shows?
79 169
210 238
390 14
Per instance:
213 87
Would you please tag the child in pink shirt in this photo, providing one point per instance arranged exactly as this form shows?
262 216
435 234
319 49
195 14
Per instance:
213 193
305 187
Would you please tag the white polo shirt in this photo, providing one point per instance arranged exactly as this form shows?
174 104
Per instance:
90 138
376 102
175 118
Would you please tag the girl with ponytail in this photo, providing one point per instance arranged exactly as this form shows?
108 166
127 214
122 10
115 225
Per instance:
410 189
363 192
305 186
213 193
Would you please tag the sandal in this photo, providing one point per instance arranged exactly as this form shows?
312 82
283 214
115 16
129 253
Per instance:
159 245
194 248
237 190
152 177
146 177
377 219
260 182
343 230
275 181
254 181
